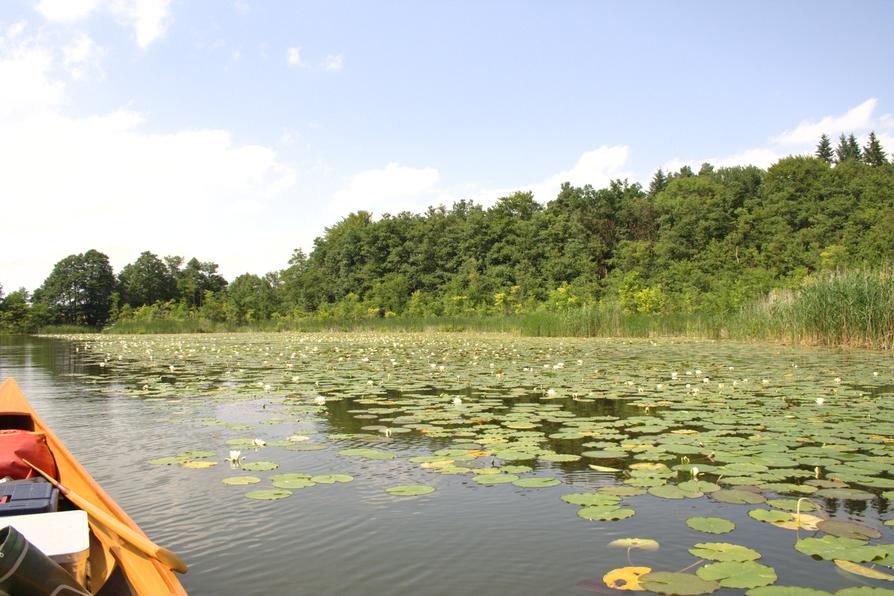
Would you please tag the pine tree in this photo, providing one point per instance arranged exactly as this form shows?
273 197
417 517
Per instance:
659 182
847 148
824 149
873 154
853 148
841 149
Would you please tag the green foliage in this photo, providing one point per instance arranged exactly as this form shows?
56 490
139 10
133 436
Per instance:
79 290
724 252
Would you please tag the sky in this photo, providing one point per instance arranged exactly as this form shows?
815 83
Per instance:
237 131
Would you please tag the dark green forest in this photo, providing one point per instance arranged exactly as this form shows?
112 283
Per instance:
711 242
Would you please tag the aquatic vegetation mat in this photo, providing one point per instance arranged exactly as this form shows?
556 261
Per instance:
759 443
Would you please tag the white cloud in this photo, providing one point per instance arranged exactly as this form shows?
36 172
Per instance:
391 189
293 56
149 19
800 140
397 188
66 10
81 56
855 119
107 182
597 168
333 62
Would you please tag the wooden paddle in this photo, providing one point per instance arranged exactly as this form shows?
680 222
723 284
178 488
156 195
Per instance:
126 533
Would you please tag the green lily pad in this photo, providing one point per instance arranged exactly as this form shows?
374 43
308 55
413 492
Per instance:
241 480
677 584
495 478
738 574
792 505
847 494
785 591
172 460
560 457
258 466
833 547
669 491
537 482
724 551
737 497
711 525
848 529
268 494
410 490
294 483
605 513
195 454
289 476
637 543
591 499
698 486
331 478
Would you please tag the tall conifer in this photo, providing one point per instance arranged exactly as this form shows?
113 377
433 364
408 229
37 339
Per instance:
873 154
824 149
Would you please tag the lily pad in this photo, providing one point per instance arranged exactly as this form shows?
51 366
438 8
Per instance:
737 497
606 513
738 574
786 591
625 578
268 494
495 478
848 529
863 571
711 525
833 547
724 551
241 480
635 543
410 490
847 494
677 584
669 491
198 465
258 466
591 499
294 483
537 482
331 478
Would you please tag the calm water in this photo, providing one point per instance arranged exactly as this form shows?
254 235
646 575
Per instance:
353 538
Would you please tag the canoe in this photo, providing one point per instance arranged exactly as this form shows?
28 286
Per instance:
118 559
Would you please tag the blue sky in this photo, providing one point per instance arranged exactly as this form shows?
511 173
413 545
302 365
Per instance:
236 131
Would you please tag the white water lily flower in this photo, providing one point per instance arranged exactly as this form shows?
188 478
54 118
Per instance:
694 472
235 457
457 401
674 375
551 392
320 400
820 401
837 379
659 386
259 442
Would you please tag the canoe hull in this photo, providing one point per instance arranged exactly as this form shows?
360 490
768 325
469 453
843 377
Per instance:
147 576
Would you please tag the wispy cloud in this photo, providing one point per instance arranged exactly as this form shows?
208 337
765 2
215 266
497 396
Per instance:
72 174
149 19
293 56
333 62
857 118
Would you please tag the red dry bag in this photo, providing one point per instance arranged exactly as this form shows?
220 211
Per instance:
16 445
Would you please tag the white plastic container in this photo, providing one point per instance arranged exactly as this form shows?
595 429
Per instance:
64 536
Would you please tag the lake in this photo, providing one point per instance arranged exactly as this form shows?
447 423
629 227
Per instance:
501 428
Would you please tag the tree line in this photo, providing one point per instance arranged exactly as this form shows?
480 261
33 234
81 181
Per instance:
708 241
